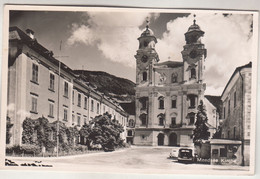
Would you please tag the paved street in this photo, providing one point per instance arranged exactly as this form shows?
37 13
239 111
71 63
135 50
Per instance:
130 160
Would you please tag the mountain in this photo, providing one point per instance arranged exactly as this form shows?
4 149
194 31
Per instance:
118 88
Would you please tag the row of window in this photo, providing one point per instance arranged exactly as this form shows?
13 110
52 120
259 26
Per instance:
144 101
78 119
174 77
229 105
35 71
34 107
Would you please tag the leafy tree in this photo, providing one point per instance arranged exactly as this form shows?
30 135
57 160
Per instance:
106 132
201 131
9 125
28 131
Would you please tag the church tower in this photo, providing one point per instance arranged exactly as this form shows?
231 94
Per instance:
167 94
146 57
194 54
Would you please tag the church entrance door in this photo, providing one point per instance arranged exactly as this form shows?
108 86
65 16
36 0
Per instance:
160 139
173 139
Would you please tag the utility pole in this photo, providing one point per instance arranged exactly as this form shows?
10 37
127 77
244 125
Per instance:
58 109
58 104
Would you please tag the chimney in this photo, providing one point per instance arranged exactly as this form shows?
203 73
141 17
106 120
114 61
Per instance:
30 33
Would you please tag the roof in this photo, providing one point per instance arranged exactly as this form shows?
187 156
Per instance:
215 101
170 64
33 44
238 69
224 141
37 47
194 28
129 107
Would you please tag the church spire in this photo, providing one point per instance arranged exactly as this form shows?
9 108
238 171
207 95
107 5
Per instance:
194 21
147 22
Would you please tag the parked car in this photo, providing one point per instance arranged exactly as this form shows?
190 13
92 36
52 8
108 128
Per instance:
186 155
174 154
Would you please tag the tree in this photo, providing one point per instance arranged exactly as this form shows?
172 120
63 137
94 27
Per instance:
105 132
201 131
9 125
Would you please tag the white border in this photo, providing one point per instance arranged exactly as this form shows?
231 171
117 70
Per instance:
66 8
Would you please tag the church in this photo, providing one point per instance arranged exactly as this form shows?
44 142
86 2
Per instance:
168 93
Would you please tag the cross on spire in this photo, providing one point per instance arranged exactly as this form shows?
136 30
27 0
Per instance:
194 21
147 22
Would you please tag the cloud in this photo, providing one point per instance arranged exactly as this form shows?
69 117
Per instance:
114 33
227 40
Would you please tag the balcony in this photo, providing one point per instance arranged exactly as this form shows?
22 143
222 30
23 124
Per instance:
175 125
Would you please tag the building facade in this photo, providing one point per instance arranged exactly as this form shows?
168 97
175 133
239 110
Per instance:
40 85
236 112
168 93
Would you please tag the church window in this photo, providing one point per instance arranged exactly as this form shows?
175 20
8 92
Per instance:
161 121
161 118
143 102
192 99
174 78
131 123
145 43
173 122
193 73
174 102
192 119
129 133
143 118
144 76
161 102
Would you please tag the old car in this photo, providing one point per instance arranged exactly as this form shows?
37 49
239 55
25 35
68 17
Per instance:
174 154
186 155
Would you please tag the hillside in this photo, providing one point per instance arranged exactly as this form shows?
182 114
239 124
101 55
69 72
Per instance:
119 88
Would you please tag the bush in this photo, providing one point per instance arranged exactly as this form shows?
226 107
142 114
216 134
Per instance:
80 148
24 149
32 149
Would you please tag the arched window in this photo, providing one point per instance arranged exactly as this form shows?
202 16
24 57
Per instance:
131 123
143 102
143 118
174 101
144 76
193 73
161 102
129 133
191 116
174 78
192 99
161 118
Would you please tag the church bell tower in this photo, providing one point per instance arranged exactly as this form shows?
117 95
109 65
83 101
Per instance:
194 54
145 58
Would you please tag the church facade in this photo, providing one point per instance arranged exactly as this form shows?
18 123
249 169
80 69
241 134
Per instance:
168 93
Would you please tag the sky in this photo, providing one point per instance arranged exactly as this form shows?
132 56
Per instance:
107 41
